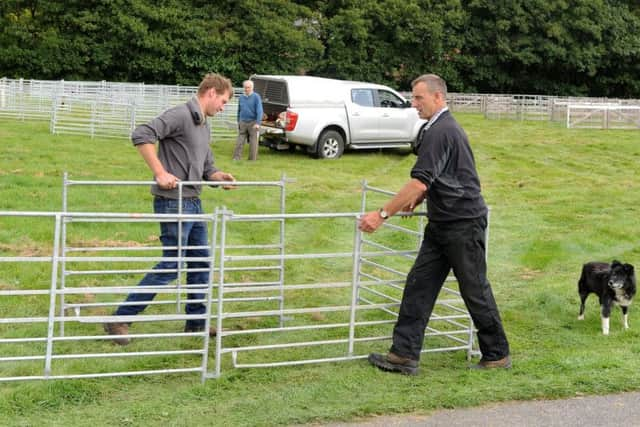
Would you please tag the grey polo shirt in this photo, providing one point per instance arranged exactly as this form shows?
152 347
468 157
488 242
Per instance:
183 146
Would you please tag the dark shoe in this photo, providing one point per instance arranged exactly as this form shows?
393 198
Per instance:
391 362
118 329
212 330
504 363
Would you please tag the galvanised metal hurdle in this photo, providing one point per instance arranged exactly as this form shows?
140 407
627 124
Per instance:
30 347
83 289
181 270
450 326
364 296
341 313
303 316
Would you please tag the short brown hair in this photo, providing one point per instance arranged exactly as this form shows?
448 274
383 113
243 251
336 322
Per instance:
219 83
434 83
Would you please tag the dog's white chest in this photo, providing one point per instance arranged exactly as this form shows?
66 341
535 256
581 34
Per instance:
621 298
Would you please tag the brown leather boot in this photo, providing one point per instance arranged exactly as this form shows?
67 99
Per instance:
118 329
391 362
504 363
212 330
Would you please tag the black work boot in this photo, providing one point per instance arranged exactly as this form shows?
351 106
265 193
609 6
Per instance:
391 362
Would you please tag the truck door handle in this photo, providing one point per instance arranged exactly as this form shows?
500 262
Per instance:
356 114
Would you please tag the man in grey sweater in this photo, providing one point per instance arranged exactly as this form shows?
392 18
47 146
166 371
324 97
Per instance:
183 134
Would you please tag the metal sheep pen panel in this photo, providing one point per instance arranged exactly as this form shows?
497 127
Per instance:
603 116
276 302
343 311
53 330
111 109
100 109
31 348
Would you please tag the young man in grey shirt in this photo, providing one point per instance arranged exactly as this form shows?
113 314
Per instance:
183 134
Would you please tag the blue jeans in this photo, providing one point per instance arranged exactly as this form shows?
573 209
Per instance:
193 234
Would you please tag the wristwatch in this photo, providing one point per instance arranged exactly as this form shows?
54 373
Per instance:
383 214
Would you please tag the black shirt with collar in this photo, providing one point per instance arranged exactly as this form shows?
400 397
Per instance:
446 166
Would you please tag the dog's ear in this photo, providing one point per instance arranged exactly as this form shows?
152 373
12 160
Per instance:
614 263
628 268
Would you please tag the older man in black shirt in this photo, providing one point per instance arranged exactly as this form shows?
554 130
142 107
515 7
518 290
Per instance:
454 238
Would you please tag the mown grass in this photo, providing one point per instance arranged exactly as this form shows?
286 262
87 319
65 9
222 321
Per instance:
559 198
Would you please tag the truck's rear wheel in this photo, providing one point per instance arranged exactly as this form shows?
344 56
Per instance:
330 145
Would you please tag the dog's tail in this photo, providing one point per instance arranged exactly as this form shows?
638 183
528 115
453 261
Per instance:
583 277
583 290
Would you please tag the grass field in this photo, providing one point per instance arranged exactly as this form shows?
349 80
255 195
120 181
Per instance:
559 198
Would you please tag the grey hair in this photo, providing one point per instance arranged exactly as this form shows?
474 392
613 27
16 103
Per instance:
247 81
433 82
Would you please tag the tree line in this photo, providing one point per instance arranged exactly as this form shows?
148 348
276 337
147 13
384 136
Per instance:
553 47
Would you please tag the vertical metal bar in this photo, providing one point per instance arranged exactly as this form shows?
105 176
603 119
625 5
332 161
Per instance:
132 125
282 243
52 296
422 220
65 183
207 322
3 99
363 207
93 119
355 281
223 238
363 200
179 255
54 115
20 100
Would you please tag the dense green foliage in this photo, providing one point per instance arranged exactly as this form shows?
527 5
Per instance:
559 197
555 47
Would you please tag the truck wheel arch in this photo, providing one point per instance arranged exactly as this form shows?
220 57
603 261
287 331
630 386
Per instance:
331 143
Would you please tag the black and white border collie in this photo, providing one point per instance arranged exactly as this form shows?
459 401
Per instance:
613 283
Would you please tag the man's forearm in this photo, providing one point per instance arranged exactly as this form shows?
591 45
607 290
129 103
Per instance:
410 194
148 153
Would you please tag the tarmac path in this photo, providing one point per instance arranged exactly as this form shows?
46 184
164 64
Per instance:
588 411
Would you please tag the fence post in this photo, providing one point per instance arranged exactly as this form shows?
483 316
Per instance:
52 296
355 285
133 116
3 99
92 119
54 115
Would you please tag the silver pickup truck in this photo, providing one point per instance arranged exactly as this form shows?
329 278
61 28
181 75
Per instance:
327 116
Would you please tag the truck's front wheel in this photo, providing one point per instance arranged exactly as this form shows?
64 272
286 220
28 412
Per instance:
330 145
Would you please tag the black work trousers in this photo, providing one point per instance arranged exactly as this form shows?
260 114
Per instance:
461 246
